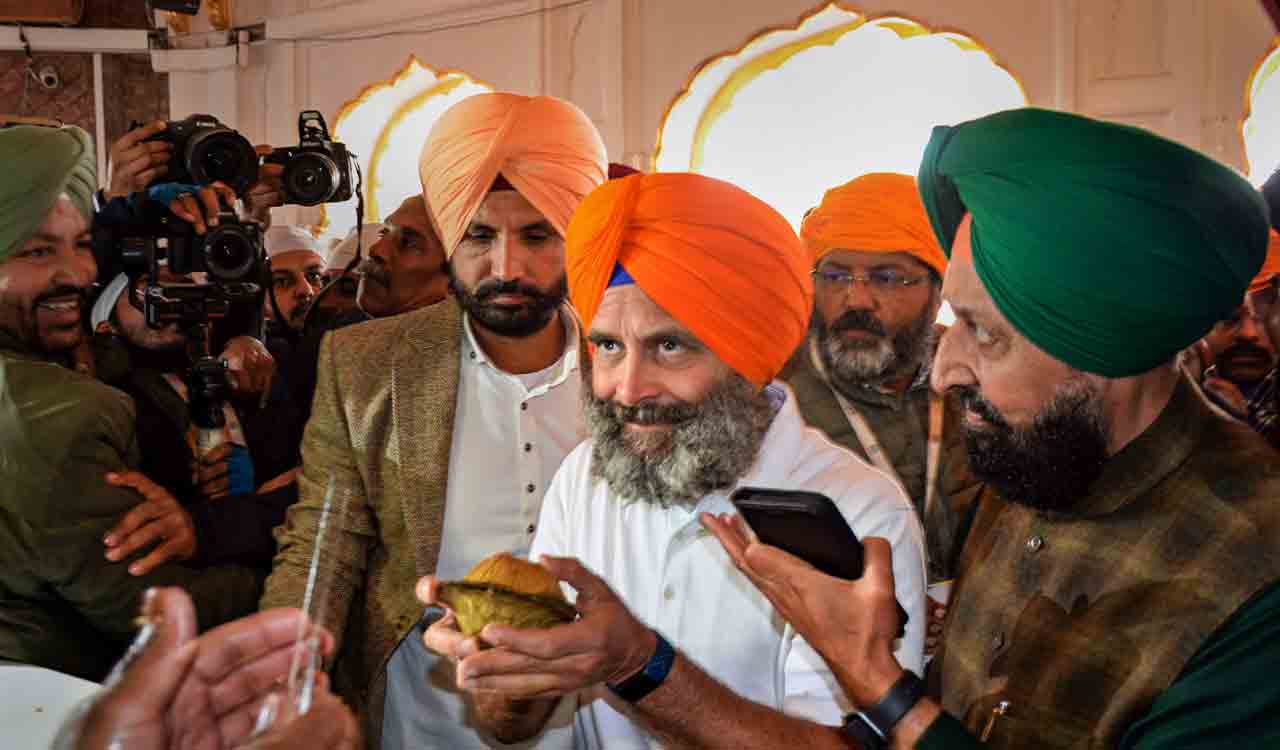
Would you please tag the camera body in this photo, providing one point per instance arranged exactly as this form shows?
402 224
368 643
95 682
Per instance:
205 151
231 254
318 169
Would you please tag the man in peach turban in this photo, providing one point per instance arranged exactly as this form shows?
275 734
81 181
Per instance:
439 429
862 376
694 293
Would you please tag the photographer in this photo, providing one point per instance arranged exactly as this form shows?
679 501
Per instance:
69 442
232 521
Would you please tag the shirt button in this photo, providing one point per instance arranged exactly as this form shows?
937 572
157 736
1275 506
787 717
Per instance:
528 447
524 406
528 488
1035 543
997 641
532 528
472 355
668 593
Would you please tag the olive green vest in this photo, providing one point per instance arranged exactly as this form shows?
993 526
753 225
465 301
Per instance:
1069 627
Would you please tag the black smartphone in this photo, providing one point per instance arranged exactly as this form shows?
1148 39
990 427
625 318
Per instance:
807 525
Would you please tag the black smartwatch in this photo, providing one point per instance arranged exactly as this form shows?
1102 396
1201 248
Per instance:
648 679
872 727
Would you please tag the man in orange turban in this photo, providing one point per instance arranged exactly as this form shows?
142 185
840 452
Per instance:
862 377
694 293
439 429
1263 409
544 148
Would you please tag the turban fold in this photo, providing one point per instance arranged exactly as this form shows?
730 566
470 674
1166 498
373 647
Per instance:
40 164
719 260
1108 247
546 148
879 212
1270 266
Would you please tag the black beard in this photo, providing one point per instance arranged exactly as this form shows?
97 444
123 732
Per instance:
853 367
514 321
709 446
1047 466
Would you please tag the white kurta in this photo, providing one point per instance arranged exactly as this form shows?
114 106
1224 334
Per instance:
676 578
510 434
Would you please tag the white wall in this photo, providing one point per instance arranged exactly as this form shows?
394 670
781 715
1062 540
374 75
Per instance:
1177 66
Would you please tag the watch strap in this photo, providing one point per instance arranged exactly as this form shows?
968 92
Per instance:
647 680
895 704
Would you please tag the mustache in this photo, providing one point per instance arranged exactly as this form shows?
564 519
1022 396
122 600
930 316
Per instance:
650 414
1246 350
372 269
491 289
859 320
974 402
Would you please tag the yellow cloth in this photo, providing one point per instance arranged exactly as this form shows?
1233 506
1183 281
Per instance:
717 259
1270 266
545 147
877 212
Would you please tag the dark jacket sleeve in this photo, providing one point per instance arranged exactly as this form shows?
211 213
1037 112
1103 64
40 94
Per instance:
239 528
73 552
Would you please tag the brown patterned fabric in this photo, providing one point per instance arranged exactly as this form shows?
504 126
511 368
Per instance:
1080 622
901 423
380 430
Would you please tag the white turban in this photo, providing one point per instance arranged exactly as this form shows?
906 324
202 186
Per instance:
341 255
287 239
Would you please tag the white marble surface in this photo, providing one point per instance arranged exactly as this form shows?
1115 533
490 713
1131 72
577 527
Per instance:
33 703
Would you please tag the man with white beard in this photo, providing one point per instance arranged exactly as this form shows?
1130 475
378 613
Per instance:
681 408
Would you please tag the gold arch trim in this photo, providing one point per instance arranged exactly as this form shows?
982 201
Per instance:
1263 70
904 25
442 88
351 105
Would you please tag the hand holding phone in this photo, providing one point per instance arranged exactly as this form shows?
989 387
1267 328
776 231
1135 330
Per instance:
807 525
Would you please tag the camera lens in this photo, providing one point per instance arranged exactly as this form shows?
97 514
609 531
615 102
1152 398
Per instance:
229 253
223 155
311 178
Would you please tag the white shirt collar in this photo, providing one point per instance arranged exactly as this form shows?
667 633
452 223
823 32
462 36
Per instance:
566 365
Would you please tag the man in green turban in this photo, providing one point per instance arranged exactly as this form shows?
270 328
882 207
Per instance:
1120 583
67 442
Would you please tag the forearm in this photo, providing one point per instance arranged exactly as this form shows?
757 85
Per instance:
692 710
510 720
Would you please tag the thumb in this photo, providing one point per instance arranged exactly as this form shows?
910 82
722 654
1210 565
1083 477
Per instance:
877 562
169 626
574 573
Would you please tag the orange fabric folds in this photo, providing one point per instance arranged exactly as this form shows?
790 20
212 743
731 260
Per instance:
719 260
547 148
877 212
1270 266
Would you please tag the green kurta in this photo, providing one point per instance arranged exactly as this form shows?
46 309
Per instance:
1148 619
62 604
1228 695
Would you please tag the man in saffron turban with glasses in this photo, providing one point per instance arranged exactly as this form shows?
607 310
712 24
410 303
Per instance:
694 293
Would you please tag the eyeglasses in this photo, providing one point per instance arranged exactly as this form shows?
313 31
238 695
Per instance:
878 280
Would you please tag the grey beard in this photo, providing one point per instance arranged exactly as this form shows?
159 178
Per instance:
710 446
854 367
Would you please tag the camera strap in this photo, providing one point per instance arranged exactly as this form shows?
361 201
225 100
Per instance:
871 444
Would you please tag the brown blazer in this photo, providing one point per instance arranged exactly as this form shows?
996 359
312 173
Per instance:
380 431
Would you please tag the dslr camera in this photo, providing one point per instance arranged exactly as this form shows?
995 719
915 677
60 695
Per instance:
205 151
231 254
318 169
